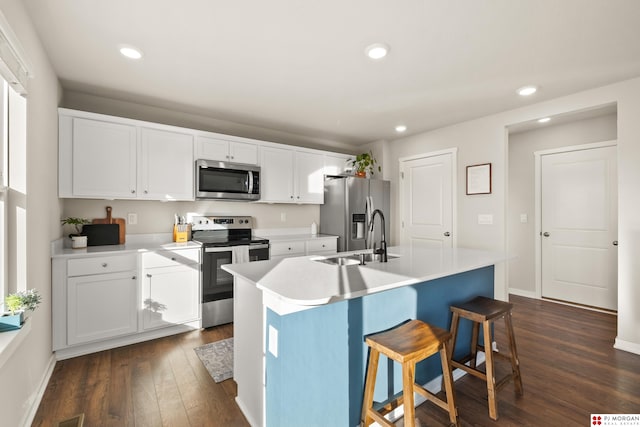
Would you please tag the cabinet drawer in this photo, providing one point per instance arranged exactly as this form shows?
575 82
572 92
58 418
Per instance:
170 258
101 265
322 245
287 248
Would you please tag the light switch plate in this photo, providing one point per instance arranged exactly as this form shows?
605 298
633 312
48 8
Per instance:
485 219
132 218
273 341
524 218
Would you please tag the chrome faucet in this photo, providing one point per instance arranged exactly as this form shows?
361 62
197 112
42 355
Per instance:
383 241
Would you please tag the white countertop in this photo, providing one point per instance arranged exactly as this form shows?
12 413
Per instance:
304 282
134 243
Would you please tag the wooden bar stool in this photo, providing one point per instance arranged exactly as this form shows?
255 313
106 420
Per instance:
407 344
485 311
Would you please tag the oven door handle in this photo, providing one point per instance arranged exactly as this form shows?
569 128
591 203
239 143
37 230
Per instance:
259 246
218 249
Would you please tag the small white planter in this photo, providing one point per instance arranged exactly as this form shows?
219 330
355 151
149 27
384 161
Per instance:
78 242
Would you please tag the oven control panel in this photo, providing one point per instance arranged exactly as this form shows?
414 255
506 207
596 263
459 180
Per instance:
199 222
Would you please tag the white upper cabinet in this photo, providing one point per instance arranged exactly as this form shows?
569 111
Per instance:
103 159
335 164
115 158
226 151
166 165
108 157
291 176
276 178
309 177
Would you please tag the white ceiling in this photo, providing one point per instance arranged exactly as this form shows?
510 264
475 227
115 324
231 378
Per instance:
299 66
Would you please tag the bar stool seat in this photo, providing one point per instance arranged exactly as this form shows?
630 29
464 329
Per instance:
407 344
484 311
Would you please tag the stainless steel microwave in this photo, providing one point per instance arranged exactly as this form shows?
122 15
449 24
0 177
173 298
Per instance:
224 180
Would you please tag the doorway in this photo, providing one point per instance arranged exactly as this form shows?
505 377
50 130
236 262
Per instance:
427 199
578 208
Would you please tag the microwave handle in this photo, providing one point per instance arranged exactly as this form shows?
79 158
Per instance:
250 182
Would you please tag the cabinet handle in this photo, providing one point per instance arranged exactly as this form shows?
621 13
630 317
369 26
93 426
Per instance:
323 246
134 278
232 157
298 197
104 264
173 258
149 276
292 197
133 191
145 191
289 248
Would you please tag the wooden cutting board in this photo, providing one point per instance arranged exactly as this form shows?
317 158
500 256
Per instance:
110 220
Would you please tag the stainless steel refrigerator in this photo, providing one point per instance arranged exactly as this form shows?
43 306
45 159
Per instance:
349 202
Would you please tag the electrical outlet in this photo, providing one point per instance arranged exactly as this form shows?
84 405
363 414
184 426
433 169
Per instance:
485 219
283 216
273 341
524 218
132 218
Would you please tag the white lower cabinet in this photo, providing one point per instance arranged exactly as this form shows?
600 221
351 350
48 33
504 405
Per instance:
301 246
106 301
170 296
101 306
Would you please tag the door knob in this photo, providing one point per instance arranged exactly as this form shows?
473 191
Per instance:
447 234
545 234
615 243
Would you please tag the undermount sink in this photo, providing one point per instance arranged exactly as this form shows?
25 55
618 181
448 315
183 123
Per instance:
354 259
340 260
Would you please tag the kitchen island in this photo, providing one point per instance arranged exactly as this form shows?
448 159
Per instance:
299 327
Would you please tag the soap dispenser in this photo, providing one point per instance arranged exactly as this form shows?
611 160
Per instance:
314 228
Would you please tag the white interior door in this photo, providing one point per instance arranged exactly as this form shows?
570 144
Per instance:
427 186
579 226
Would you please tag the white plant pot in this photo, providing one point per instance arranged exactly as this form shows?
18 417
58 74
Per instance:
78 242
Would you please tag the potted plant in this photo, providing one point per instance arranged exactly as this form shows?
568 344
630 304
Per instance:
17 304
78 240
364 164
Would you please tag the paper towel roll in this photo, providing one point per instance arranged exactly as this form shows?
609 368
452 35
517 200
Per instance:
360 230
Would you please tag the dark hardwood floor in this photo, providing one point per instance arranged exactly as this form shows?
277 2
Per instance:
569 368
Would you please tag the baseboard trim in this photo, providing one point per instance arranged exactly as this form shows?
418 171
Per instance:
523 293
627 346
244 411
31 413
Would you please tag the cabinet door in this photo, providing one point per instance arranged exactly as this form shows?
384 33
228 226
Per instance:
170 296
212 149
244 152
101 306
276 175
104 159
335 164
309 177
167 167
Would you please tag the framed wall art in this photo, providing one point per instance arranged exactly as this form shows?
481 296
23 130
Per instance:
479 179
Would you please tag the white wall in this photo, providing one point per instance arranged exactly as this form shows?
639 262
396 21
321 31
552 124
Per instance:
521 200
133 110
486 140
157 217
21 376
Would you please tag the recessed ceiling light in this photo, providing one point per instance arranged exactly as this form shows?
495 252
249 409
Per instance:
544 120
401 128
131 52
527 90
377 50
